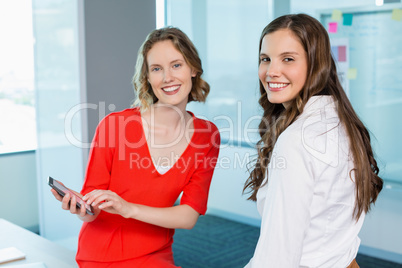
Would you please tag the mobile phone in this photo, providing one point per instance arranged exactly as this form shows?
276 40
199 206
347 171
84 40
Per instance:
62 190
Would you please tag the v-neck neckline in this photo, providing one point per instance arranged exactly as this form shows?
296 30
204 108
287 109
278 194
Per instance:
154 169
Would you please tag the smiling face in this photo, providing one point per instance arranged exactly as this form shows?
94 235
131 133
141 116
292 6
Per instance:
169 74
283 66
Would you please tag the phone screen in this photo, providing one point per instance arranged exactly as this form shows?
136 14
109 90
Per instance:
62 190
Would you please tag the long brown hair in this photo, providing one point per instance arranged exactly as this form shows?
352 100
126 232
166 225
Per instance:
321 77
145 95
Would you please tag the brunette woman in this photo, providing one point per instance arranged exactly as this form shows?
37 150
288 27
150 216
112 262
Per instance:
313 206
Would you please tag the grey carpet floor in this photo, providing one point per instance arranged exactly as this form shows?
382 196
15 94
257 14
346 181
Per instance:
220 243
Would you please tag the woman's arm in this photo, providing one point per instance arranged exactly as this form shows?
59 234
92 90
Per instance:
286 202
177 217
181 216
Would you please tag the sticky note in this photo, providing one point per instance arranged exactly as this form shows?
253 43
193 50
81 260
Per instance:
347 19
337 15
342 53
396 14
332 27
352 73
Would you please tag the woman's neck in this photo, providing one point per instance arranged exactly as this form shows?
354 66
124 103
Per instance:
166 115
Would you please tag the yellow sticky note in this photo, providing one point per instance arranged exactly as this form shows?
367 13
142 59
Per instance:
396 14
352 73
337 15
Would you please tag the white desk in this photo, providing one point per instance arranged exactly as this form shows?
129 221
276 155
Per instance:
36 248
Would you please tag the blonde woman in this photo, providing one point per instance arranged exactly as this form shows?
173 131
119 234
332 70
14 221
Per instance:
144 157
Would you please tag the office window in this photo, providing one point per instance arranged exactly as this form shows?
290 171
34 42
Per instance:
376 90
160 13
17 111
56 27
226 34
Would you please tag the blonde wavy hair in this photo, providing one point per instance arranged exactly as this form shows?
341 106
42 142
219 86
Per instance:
322 78
145 96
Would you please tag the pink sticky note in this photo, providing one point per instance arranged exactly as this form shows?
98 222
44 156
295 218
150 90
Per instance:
342 53
332 27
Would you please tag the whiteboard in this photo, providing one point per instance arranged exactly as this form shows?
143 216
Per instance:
375 51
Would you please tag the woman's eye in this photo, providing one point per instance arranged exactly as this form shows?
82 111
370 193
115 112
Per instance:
155 69
177 65
288 59
265 59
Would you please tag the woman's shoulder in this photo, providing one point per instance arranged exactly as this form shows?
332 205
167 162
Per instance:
317 133
135 111
118 117
205 124
319 116
206 128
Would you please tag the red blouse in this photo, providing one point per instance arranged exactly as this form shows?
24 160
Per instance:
120 161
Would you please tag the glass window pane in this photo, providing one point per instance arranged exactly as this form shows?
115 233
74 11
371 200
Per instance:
375 91
57 85
17 111
226 34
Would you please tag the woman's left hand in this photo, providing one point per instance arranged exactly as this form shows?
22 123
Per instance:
109 201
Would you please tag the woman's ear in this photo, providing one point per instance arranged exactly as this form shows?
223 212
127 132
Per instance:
193 73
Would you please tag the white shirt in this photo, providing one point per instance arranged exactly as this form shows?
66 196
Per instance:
162 169
307 205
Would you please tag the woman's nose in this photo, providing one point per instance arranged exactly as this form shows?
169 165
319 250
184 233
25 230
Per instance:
167 76
273 70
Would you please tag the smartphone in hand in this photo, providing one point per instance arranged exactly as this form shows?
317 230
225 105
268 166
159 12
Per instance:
62 190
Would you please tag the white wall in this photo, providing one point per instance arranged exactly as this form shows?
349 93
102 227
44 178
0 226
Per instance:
226 198
19 196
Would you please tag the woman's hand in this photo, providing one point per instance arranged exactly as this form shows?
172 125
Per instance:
69 202
180 216
176 217
110 202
